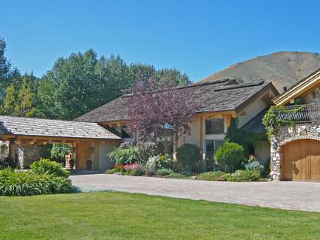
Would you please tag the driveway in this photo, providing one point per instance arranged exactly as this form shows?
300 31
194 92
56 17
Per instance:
304 196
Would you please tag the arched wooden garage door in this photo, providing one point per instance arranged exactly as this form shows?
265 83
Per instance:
301 160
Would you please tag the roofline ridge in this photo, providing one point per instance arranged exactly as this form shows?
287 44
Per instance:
61 120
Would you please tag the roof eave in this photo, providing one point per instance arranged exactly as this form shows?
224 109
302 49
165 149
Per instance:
298 89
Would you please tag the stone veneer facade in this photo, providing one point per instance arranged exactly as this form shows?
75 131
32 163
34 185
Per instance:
288 134
29 154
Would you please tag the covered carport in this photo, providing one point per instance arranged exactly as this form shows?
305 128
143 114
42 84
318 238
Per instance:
88 141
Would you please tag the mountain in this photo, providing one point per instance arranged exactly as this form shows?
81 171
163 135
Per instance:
283 69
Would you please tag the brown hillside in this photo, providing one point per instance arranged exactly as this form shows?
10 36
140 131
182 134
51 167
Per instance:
280 68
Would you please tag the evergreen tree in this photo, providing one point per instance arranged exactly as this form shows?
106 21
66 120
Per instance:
10 102
25 106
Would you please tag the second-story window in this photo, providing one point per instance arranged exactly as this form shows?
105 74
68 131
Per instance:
215 126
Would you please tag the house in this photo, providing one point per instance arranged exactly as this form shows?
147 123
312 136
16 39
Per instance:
25 137
295 148
217 104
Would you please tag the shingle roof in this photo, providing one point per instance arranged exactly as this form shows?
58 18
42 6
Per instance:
53 128
255 124
223 95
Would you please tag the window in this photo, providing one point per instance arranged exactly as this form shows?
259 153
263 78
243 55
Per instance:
215 126
211 148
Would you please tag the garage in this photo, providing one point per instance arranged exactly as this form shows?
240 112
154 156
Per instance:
301 160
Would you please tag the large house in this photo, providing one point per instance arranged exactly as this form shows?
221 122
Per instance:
93 135
217 104
295 148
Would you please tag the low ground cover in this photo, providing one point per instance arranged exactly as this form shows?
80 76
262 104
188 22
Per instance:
133 216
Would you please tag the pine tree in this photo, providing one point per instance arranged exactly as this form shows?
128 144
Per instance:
25 104
10 102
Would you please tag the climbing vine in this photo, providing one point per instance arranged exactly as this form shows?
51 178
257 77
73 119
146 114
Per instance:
273 123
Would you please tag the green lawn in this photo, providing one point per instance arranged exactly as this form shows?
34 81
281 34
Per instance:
122 215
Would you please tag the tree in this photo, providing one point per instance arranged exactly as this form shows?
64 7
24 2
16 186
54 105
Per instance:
20 100
25 106
6 74
156 107
82 82
48 104
10 102
4 63
172 77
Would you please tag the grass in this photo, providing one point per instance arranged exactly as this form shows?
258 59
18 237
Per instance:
102 215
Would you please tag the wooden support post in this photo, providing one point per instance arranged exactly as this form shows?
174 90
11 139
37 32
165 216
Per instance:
13 151
96 155
175 147
203 160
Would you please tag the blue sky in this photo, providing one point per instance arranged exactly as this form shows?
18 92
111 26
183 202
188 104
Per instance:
197 37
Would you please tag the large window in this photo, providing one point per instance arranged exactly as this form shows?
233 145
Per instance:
215 126
211 148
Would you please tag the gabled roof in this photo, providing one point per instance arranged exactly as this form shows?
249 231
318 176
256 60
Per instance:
306 84
255 124
20 126
220 96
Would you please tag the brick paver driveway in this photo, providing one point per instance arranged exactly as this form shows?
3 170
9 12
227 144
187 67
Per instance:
303 196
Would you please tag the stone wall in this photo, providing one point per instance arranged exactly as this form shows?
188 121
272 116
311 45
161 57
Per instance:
285 135
28 154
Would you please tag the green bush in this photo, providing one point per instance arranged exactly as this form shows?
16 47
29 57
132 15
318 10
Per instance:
230 155
124 155
177 175
29 183
45 166
211 176
245 175
59 151
164 172
113 170
189 157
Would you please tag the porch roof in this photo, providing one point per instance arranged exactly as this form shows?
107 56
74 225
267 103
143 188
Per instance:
36 127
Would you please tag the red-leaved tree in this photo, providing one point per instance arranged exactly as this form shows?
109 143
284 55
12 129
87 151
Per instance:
154 108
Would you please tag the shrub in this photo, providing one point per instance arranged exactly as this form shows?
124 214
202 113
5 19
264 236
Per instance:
177 175
29 183
164 172
189 157
245 175
124 155
230 155
254 165
116 169
59 151
166 161
158 162
45 166
135 169
146 150
211 176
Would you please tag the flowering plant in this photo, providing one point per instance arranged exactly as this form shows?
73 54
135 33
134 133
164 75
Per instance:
135 169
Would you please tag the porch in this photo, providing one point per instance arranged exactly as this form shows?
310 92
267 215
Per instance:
89 142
